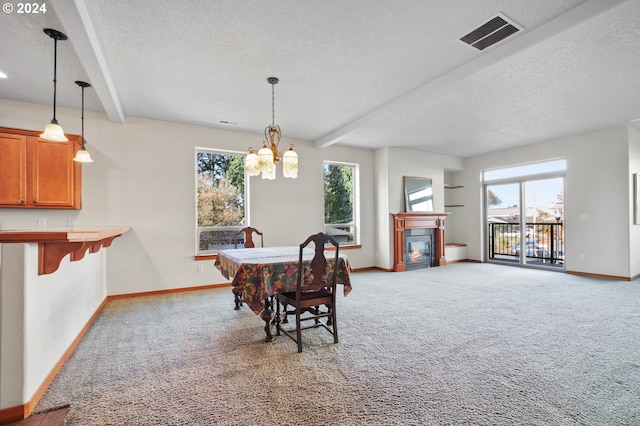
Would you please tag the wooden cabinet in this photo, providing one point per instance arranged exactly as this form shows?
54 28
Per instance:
35 173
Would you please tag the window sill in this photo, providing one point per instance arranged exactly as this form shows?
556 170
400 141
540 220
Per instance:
205 256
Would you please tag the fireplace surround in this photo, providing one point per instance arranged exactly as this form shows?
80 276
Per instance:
418 220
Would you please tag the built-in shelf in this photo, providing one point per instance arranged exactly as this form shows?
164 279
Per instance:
450 186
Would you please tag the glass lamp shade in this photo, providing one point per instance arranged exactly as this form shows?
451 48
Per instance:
290 163
82 156
53 132
251 163
265 159
269 173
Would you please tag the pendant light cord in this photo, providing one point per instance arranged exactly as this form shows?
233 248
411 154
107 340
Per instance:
82 117
273 105
55 80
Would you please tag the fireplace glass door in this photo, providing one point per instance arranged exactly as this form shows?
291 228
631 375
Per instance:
418 248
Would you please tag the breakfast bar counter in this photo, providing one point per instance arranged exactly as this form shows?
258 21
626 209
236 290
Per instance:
54 244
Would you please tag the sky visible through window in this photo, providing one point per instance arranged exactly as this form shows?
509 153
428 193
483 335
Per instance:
525 170
541 193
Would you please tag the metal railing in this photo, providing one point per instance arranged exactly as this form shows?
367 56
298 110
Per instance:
543 242
212 239
343 233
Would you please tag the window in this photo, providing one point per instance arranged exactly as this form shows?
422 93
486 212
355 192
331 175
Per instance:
221 199
525 170
340 202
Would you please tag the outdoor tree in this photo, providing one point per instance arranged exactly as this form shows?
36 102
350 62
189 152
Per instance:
492 199
219 203
216 165
559 207
338 183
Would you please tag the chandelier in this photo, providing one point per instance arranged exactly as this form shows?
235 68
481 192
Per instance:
265 160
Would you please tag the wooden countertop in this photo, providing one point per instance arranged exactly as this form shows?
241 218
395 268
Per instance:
55 244
69 235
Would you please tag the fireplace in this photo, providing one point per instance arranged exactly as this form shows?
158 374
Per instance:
406 226
418 251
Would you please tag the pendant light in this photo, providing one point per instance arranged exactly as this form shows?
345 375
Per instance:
82 155
53 131
268 156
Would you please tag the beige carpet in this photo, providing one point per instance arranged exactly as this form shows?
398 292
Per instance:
473 344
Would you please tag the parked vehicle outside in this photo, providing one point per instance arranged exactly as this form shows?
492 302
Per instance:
532 249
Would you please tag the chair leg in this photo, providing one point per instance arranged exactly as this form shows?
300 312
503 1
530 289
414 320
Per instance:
277 317
335 324
237 297
298 330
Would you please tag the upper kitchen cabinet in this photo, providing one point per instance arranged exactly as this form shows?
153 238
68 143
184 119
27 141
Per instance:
36 173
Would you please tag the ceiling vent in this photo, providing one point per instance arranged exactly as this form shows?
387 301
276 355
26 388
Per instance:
494 30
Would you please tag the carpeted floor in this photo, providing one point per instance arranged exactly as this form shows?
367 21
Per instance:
474 344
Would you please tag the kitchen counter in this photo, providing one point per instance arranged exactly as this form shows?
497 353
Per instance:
55 244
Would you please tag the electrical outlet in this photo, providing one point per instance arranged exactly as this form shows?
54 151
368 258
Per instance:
582 257
200 268
42 222
71 222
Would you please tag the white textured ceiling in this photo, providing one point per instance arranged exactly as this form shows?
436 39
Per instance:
368 73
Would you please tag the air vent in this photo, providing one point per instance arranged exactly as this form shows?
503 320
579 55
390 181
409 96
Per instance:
494 30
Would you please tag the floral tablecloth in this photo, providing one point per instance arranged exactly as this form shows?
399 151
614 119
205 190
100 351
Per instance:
262 272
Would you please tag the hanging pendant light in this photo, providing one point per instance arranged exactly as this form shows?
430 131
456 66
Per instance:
251 163
290 163
53 131
264 162
82 155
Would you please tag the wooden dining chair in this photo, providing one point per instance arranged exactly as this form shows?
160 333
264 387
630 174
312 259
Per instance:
248 243
316 287
248 237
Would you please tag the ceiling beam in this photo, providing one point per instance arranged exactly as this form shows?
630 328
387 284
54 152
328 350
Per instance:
485 59
74 16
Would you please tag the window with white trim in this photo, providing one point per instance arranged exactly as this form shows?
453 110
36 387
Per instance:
341 210
221 194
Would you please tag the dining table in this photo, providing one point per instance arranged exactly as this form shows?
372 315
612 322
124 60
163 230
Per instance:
258 274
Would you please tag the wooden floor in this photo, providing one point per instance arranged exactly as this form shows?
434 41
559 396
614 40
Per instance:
51 418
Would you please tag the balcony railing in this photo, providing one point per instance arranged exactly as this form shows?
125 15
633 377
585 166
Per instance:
543 242
212 239
343 233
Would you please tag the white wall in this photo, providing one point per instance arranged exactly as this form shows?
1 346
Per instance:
41 315
596 198
634 231
143 176
383 235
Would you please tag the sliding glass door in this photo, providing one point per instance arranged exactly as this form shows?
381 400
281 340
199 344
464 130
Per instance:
503 219
524 219
544 230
